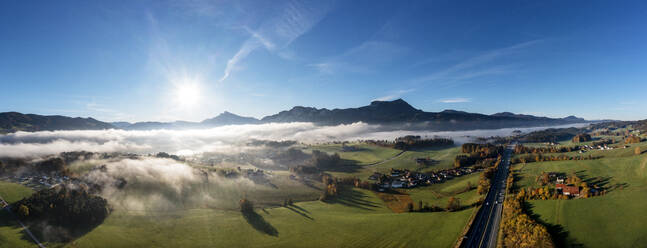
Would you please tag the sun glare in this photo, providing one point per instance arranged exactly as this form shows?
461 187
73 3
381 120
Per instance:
187 94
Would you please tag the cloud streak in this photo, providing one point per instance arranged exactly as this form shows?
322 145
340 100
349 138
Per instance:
477 66
394 95
455 100
295 19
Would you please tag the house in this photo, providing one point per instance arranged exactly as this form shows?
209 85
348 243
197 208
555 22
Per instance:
571 190
375 176
560 180
560 185
397 184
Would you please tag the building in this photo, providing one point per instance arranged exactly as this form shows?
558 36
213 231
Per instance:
571 191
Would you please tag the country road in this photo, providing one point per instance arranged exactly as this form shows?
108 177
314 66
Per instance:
386 160
485 228
6 206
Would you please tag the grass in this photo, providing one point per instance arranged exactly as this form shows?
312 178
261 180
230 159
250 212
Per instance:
616 219
364 154
439 194
11 236
356 220
12 192
443 156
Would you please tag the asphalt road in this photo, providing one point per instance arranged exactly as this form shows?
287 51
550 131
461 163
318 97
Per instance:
485 228
6 206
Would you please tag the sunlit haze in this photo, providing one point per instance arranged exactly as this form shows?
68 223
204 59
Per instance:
120 62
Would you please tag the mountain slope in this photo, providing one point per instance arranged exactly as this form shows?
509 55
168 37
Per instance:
227 118
14 121
399 112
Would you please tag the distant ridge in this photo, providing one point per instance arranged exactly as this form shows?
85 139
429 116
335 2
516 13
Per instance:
14 121
388 113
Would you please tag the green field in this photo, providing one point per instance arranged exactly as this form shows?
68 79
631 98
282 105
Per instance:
364 154
369 159
616 219
357 219
11 234
12 192
439 194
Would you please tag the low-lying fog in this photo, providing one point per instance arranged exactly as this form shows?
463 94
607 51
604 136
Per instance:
226 139
142 183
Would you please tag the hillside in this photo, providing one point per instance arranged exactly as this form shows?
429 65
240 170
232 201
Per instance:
399 111
14 121
388 113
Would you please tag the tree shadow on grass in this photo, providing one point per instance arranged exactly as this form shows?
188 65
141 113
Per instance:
309 184
346 165
44 231
352 198
260 224
559 235
299 211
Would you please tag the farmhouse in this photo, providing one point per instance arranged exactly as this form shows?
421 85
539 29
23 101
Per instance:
571 190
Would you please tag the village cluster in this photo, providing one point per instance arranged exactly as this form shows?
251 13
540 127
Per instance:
404 178
586 148
36 181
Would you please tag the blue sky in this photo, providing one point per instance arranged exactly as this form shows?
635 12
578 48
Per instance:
127 60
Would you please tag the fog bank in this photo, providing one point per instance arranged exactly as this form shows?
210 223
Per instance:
225 139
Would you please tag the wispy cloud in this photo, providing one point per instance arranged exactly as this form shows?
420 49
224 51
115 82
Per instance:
362 58
295 19
394 95
477 66
455 100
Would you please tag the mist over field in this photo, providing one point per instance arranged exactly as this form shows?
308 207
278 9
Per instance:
230 139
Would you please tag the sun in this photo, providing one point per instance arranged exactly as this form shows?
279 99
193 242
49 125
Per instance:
187 94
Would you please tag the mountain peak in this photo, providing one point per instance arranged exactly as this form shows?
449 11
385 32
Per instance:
397 105
228 118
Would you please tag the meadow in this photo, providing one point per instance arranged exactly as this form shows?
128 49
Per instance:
616 219
10 233
355 218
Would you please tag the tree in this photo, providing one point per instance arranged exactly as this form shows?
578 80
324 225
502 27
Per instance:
246 206
469 186
23 210
637 151
453 204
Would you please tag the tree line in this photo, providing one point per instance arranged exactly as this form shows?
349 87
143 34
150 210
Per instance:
517 227
71 208
483 155
542 158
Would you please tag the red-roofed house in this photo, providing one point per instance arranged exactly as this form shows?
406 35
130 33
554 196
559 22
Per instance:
560 186
571 190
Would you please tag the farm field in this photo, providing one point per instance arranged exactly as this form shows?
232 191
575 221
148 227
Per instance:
363 154
10 233
370 158
356 219
439 194
578 221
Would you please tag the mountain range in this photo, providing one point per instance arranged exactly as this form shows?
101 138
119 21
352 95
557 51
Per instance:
397 113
